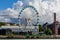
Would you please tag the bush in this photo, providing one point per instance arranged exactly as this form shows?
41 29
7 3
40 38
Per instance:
48 31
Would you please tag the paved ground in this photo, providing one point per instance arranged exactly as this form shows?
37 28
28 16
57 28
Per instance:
30 37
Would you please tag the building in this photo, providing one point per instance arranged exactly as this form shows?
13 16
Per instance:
53 26
17 29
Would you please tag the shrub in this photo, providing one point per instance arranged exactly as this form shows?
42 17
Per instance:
48 31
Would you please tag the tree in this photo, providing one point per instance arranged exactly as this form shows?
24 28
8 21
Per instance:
2 23
48 31
12 24
40 28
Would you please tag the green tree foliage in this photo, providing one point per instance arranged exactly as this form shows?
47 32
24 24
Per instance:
12 24
48 31
40 28
1 24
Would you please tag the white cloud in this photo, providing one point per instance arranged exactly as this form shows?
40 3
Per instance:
54 7
7 20
30 3
11 12
46 9
19 3
45 5
17 6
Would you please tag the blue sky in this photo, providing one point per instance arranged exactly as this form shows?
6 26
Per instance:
4 4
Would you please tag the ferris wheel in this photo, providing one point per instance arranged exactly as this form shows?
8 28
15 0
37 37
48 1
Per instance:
28 19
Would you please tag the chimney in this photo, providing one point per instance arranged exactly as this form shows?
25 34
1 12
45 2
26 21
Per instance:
55 25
